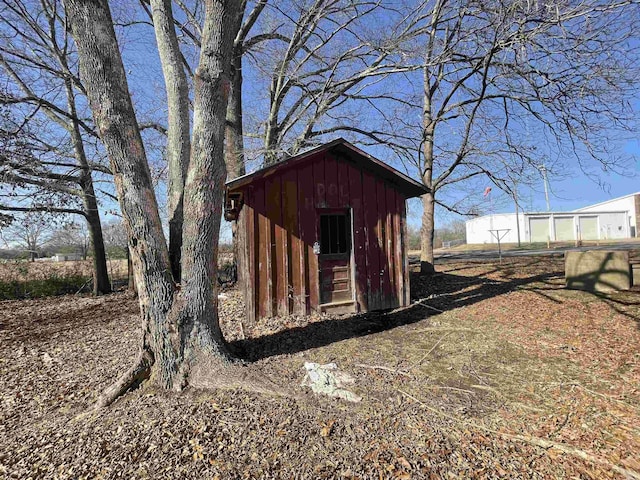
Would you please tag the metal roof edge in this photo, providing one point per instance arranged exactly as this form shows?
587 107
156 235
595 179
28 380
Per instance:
608 201
546 214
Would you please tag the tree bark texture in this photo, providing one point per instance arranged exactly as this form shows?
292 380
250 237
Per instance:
205 186
179 328
101 282
234 149
234 155
427 234
178 142
428 200
103 75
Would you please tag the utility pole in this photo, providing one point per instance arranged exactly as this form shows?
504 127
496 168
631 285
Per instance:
515 200
543 170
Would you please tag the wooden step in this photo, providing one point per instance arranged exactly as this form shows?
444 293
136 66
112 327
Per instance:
347 306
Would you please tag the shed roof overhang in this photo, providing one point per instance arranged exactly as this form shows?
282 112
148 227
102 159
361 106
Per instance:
409 187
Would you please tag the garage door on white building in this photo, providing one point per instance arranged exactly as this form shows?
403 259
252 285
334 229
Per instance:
564 228
539 228
588 228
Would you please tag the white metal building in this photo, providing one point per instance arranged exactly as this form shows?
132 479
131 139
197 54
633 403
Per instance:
628 203
614 219
65 257
479 228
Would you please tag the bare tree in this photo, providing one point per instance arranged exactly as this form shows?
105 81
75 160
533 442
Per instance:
55 173
115 236
182 341
29 232
71 236
324 65
317 58
493 72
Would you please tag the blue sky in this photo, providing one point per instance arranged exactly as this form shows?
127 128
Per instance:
578 190
574 190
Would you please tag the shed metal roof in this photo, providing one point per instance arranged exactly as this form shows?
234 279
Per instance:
405 184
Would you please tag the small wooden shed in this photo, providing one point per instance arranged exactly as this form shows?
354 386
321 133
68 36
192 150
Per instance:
325 231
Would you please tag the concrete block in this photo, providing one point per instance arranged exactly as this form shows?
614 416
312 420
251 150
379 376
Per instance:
635 273
597 270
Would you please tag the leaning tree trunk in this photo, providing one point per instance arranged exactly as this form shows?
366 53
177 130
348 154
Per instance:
181 330
104 77
178 141
101 282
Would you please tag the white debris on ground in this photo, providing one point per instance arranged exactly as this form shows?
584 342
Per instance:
327 380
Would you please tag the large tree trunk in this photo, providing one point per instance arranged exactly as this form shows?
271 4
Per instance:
178 141
104 77
427 234
428 200
101 282
198 314
180 331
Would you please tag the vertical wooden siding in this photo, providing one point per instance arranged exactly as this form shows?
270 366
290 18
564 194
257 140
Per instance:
355 197
282 226
295 252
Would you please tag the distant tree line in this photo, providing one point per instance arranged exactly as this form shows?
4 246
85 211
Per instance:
35 236
454 231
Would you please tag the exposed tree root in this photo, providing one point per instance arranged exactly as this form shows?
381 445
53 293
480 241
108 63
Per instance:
211 374
538 442
205 371
140 371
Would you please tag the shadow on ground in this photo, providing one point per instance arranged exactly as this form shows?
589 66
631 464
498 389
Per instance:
430 294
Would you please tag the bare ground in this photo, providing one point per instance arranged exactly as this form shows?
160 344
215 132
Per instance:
498 372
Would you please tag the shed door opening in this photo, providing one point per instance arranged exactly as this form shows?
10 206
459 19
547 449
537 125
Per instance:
335 257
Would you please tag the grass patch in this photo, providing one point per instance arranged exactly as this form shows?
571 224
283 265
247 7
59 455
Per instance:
49 287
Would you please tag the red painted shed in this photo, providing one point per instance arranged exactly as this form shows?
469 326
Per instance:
325 231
